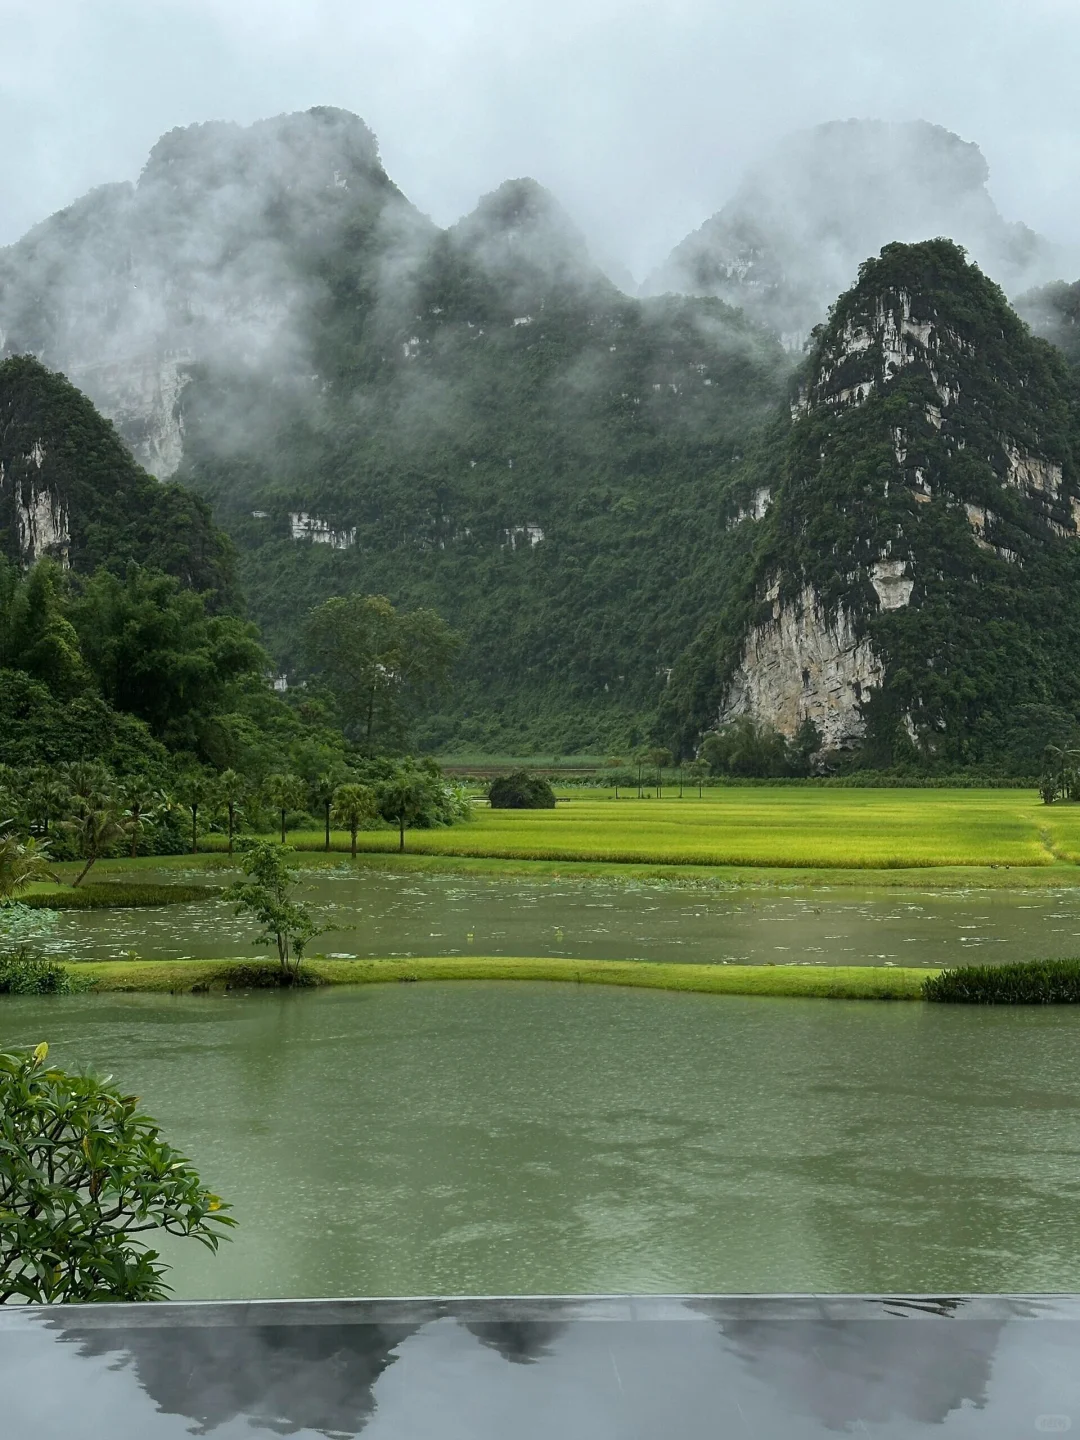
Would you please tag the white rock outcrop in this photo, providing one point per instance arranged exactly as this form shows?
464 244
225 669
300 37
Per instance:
802 665
1033 474
303 526
892 583
42 524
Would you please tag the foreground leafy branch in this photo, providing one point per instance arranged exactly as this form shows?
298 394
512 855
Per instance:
83 1174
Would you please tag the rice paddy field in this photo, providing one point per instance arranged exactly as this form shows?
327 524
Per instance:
763 827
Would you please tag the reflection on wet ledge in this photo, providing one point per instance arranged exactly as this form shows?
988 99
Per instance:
598 1369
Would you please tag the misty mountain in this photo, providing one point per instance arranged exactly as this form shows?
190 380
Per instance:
225 253
913 584
477 420
1053 311
802 221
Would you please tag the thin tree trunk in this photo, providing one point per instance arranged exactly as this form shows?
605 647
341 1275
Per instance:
283 827
353 842
401 832
232 825
83 872
134 835
194 829
327 846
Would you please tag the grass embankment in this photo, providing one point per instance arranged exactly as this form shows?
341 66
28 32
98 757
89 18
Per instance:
115 896
824 982
774 829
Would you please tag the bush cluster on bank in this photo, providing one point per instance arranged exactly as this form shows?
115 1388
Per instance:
521 791
1024 982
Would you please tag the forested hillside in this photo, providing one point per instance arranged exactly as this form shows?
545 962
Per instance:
534 455
598 493
913 585
70 491
120 635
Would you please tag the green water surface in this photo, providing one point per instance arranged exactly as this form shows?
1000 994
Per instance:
487 1138
395 913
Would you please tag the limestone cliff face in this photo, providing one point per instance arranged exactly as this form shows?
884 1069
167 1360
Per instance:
799 665
927 496
41 518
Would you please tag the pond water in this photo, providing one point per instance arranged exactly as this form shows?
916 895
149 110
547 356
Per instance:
485 1138
396 913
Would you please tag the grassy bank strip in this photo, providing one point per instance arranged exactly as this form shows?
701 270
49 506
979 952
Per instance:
824 982
116 896
709 877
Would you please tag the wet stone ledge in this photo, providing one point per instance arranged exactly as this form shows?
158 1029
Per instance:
598 1368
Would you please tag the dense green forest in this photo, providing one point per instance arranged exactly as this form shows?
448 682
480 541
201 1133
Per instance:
530 453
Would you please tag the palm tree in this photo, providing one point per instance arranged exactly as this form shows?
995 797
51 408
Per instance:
1066 758
22 862
285 793
139 799
48 796
615 762
640 757
96 825
87 780
404 797
232 790
352 805
193 789
323 789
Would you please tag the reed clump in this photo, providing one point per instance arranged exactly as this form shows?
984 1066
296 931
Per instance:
1023 982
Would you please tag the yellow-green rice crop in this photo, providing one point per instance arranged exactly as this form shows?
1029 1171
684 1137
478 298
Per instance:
760 826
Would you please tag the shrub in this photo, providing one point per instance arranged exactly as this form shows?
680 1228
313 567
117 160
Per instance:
1024 982
83 1175
25 974
521 791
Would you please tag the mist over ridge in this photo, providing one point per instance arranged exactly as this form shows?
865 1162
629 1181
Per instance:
804 218
476 418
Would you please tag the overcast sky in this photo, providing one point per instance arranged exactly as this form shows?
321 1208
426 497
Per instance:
639 116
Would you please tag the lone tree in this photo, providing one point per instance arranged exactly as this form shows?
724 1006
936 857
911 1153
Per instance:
194 789
266 895
96 825
352 805
405 798
139 800
232 791
285 793
379 663
83 1176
